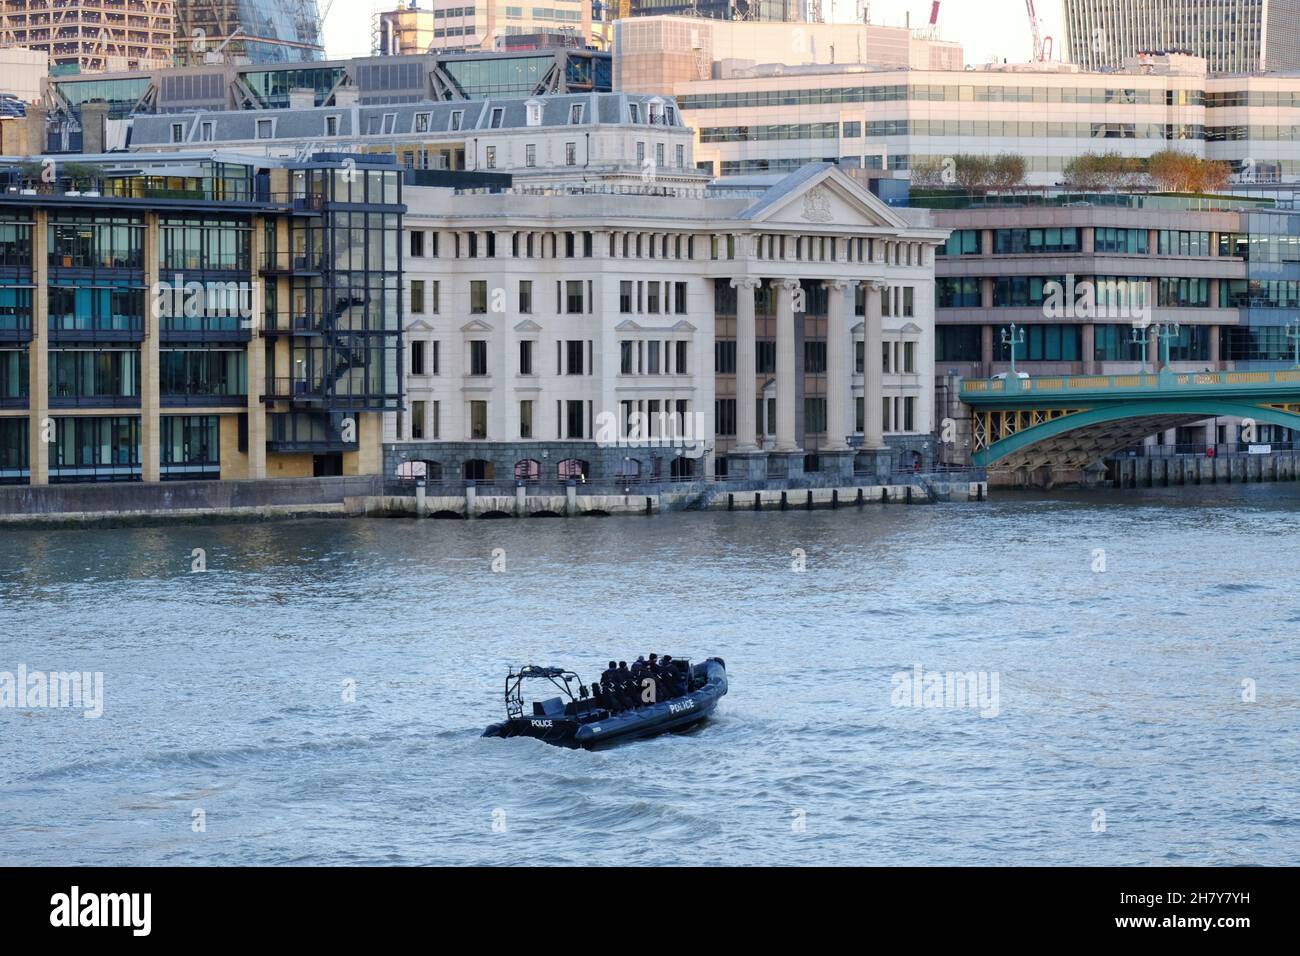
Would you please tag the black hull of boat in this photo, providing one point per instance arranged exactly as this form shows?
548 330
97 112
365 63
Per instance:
601 730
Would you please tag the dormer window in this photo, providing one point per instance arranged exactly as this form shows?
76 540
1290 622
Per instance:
534 113
575 114
498 114
670 116
457 118
422 122
656 107
634 112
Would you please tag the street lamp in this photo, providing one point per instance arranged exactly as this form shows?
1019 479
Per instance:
1168 332
1139 338
1293 333
1013 336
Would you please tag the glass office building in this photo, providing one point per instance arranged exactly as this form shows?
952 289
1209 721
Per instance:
1244 36
261 31
203 317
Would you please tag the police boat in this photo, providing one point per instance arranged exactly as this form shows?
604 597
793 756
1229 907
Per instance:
569 720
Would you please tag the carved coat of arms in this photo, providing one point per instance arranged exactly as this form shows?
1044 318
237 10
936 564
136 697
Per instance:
817 205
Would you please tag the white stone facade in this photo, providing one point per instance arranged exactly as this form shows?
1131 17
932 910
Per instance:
535 320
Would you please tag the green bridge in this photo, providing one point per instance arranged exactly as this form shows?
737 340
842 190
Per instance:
1071 421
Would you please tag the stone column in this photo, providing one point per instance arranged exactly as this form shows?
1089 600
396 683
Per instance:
785 365
746 365
838 349
1089 348
150 400
872 370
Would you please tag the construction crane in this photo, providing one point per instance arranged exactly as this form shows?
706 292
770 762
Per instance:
932 31
1042 45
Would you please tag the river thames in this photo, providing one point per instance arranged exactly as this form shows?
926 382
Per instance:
315 696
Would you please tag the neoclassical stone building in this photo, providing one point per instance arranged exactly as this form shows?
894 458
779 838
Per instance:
598 334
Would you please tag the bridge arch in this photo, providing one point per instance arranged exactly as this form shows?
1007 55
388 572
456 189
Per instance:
1083 437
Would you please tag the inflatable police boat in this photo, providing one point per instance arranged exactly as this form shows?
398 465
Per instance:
569 720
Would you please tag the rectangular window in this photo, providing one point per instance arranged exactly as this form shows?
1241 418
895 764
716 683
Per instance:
178 132
478 364
679 297
417 358
765 357
573 296
491 157
573 350
724 358
859 349
530 155
478 296
909 358
571 154
814 357
498 114
526 357
814 415
625 296
525 296
264 128
652 358
478 420
526 419
417 419
724 414
417 295
417 244
575 418
679 360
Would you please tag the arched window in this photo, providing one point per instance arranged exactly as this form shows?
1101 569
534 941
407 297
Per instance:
528 470
629 469
572 468
477 469
683 467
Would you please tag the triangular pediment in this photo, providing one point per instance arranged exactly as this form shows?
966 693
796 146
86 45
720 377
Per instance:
419 325
476 325
631 325
821 195
911 328
528 325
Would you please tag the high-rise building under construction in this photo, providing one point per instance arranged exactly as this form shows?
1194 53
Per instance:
92 36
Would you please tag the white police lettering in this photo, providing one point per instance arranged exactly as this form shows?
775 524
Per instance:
542 723
678 708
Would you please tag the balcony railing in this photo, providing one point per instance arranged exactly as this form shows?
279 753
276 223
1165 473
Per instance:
303 389
297 324
298 263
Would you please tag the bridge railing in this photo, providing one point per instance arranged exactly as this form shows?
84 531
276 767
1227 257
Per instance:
1126 382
